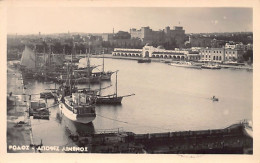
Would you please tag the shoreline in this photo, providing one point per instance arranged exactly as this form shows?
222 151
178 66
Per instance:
163 60
19 130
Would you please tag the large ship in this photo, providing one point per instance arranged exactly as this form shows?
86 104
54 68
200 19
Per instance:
75 105
78 107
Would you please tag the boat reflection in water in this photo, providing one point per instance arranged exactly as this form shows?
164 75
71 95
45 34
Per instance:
75 128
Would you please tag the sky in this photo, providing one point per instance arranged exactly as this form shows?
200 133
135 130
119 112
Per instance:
32 20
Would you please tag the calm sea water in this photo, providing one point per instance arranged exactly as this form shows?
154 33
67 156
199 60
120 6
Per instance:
166 99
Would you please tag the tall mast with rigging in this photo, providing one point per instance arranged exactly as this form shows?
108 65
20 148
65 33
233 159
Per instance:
89 72
116 83
103 63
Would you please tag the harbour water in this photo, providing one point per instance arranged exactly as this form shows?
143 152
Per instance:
166 99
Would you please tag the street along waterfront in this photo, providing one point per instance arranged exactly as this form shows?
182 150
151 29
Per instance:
166 99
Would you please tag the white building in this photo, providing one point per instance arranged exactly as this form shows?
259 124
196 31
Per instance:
221 54
149 51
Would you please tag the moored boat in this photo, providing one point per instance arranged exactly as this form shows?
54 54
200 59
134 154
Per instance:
28 63
110 99
38 110
211 66
104 75
185 64
76 106
144 60
46 95
79 107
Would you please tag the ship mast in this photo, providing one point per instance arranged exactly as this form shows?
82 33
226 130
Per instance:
116 83
88 69
103 63
35 62
69 69
45 64
71 64
50 55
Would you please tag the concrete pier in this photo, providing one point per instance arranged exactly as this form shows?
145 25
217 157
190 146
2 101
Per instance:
19 131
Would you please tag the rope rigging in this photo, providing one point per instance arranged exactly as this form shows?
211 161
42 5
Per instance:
130 123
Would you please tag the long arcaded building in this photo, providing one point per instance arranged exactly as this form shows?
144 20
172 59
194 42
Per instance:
149 51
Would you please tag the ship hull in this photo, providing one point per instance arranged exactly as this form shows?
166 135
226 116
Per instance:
185 66
107 100
104 75
213 68
144 60
82 80
87 118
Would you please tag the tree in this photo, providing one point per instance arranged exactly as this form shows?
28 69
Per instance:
248 56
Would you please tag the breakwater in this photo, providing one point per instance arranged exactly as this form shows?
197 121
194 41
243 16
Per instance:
232 140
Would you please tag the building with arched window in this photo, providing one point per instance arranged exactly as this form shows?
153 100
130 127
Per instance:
149 51
221 54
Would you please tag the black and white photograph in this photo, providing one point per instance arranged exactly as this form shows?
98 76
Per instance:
129 80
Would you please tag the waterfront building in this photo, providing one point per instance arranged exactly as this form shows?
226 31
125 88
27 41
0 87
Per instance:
149 51
221 54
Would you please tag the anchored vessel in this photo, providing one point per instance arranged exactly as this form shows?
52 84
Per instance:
28 63
185 64
81 75
79 107
76 106
104 75
41 65
211 66
144 60
112 98
38 110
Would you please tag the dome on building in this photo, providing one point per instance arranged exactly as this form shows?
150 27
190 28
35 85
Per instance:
160 47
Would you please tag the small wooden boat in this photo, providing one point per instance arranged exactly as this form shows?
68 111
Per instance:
38 110
46 95
144 60
214 98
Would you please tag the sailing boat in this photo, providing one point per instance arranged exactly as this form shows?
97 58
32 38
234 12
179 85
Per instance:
50 65
86 76
112 98
104 75
28 63
76 106
82 76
